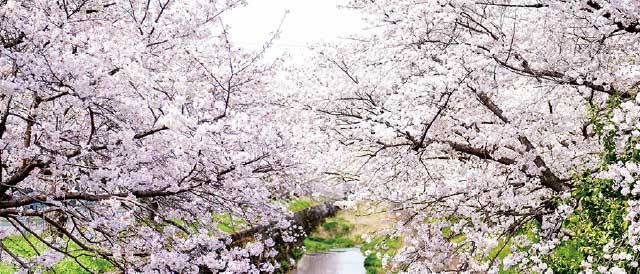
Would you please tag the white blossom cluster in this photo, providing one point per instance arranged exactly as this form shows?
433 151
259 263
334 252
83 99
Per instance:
472 117
129 126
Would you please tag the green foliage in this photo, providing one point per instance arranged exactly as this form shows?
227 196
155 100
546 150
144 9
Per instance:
598 220
567 257
383 245
600 120
447 232
297 253
600 208
284 264
373 265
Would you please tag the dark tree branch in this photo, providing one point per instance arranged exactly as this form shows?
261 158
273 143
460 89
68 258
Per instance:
5 115
21 174
549 179
150 132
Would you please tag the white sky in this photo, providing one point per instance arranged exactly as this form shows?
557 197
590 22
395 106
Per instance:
308 22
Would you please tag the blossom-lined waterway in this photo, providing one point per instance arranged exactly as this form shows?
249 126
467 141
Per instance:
337 261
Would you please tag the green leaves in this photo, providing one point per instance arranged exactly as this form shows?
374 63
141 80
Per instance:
596 232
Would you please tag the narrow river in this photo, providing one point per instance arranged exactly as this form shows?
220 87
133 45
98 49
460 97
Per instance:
338 261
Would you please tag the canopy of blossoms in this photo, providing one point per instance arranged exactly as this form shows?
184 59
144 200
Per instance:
500 132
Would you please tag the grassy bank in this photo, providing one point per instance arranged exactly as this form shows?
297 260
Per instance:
31 247
347 228
334 233
301 203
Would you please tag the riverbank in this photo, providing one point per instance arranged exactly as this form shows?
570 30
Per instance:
290 249
353 230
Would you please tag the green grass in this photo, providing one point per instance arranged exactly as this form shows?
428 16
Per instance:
20 246
301 203
228 223
319 244
70 266
338 227
7 268
333 233
345 230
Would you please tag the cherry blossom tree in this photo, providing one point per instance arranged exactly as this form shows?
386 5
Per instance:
126 124
481 124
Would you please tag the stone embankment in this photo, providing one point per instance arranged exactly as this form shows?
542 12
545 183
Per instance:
307 219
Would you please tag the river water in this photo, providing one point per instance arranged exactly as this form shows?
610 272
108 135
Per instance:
338 261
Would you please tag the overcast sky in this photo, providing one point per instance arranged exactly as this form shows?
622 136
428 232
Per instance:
308 22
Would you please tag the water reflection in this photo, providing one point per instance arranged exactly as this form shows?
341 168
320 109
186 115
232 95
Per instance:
338 261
